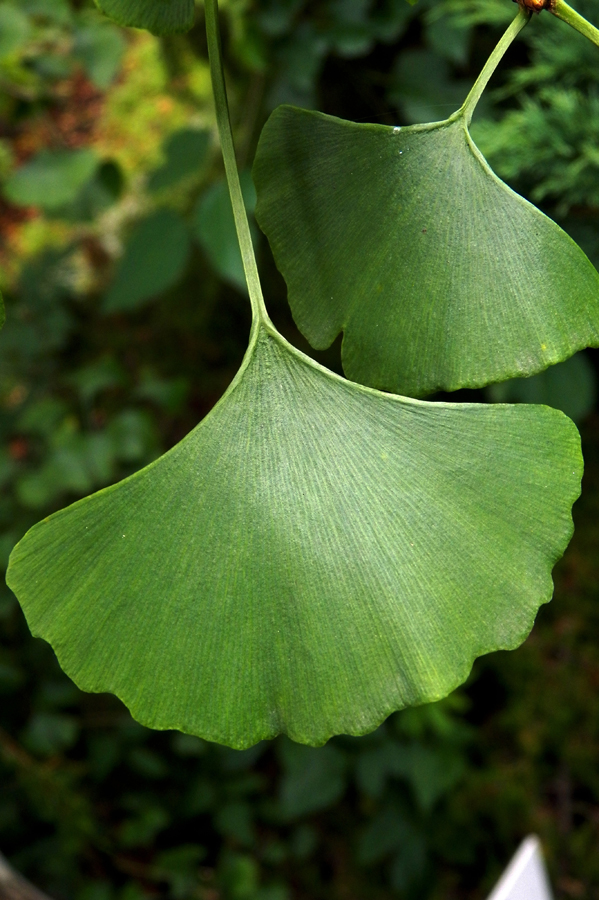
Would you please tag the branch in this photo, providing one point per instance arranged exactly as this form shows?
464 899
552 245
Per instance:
14 887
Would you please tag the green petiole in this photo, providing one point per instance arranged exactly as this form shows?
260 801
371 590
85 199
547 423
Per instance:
564 12
493 61
259 313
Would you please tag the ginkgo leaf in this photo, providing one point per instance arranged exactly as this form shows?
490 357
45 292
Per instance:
158 16
314 555
438 274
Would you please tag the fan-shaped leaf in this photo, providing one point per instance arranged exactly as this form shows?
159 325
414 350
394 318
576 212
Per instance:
312 556
438 274
158 16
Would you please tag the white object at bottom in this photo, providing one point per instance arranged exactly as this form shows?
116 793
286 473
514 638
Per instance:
526 877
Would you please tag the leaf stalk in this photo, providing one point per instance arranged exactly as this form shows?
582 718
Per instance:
259 313
563 11
522 17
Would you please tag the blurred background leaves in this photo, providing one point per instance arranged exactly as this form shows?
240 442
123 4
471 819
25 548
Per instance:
126 320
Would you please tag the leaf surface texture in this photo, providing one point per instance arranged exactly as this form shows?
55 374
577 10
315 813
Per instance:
314 555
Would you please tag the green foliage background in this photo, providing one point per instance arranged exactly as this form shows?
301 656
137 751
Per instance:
126 319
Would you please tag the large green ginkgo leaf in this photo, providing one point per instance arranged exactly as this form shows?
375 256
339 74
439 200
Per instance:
438 274
314 555
158 16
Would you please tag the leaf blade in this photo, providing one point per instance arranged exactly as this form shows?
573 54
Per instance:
311 557
439 275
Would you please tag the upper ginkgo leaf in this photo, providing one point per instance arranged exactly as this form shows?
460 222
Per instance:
314 555
438 274
158 16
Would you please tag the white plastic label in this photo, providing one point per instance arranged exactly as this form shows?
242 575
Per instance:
526 877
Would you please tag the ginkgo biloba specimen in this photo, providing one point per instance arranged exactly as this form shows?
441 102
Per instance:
314 555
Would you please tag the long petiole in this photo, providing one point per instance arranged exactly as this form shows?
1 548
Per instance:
493 61
564 12
259 313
